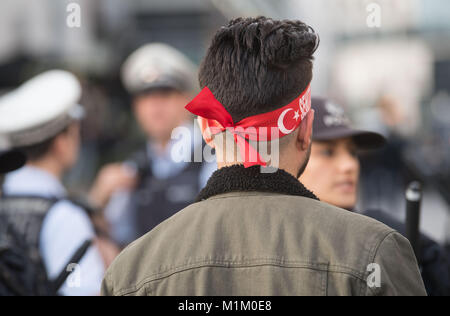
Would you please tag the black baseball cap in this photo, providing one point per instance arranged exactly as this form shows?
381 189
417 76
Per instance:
330 122
11 160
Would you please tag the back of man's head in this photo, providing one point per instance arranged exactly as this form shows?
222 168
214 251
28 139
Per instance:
256 65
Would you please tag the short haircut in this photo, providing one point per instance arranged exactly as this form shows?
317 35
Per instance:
256 65
37 151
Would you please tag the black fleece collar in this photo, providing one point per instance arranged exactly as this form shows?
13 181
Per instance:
237 178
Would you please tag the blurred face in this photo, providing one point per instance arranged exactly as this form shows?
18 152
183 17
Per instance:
158 113
333 171
68 145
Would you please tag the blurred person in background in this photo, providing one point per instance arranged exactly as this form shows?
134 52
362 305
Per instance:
41 118
151 186
333 175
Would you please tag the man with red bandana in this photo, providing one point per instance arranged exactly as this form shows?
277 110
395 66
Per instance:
255 229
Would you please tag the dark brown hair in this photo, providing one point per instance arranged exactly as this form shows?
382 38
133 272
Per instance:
256 65
38 151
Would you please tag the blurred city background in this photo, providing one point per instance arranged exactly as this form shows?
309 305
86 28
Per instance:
394 78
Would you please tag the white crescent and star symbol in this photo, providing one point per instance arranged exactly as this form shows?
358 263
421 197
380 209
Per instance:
281 126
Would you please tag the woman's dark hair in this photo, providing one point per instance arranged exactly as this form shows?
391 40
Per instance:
256 65
37 151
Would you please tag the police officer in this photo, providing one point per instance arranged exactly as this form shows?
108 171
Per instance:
160 80
42 118
333 174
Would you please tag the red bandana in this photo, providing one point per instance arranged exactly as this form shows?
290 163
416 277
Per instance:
259 127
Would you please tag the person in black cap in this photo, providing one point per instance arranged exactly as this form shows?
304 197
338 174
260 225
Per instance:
333 175
333 170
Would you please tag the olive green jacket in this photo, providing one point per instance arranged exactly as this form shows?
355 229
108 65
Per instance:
265 243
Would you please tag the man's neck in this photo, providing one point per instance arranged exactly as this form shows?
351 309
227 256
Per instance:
221 165
284 167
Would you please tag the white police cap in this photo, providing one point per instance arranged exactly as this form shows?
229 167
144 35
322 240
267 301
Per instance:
40 108
155 66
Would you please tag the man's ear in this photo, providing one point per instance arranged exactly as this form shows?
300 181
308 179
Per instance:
206 131
306 128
